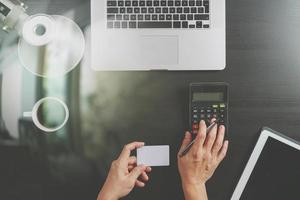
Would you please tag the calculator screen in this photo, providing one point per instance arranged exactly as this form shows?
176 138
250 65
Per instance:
208 96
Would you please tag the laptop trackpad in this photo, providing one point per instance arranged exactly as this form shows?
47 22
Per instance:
159 50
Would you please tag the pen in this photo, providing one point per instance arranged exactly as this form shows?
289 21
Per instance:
188 147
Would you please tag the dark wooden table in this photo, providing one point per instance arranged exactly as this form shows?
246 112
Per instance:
263 70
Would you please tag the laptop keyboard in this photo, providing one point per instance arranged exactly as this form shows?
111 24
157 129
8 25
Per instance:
165 14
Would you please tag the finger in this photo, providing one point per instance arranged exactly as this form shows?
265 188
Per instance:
210 138
219 140
187 139
223 151
139 183
144 177
148 169
128 148
132 160
200 138
131 167
136 172
212 120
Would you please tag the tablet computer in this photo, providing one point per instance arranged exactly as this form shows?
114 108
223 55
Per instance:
273 169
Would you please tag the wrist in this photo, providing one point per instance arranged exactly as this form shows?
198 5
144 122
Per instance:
106 195
194 191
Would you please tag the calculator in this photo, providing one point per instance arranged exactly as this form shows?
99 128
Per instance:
207 101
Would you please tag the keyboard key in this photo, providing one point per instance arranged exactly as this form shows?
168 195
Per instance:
201 17
198 3
154 17
192 26
135 3
170 3
186 10
124 25
191 3
125 17
176 17
206 3
194 10
132 17
142 3
111 17
110 25
150 10
136 10
190 17
161 17
184 3
165 10
157 10
120 3
156 3
163 3
147 17
179 10
206 26
117 25
140 17
111 3
149 3
184 24
132 24
169 17
127 3
119 17
172 10
177 3
201 10
182 17
122 10
129 10
112 10
144 10
154 24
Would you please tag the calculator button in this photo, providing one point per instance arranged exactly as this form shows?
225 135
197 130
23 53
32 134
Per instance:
215 116
195 111
222 106
222 116
195 126
208 116
195 116
215 110
202 116
195 121
208 110
202 111
222 110
215 106
222 121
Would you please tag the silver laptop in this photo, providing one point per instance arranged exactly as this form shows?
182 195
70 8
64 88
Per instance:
158 35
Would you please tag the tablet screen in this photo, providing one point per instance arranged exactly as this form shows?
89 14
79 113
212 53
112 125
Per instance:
276 174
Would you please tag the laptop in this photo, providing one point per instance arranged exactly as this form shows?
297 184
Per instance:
158 35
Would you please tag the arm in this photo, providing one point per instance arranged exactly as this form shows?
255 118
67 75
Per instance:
200 163
124 175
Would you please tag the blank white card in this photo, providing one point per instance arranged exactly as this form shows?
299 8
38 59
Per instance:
153 156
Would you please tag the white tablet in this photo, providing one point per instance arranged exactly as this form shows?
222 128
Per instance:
272 171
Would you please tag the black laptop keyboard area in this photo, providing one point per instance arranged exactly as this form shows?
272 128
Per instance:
164 14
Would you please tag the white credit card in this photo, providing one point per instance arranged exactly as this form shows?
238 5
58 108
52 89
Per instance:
153 156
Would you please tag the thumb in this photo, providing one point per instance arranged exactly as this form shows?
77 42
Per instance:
187 139
136 172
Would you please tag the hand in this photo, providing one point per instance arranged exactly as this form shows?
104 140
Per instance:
200 163
124 175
